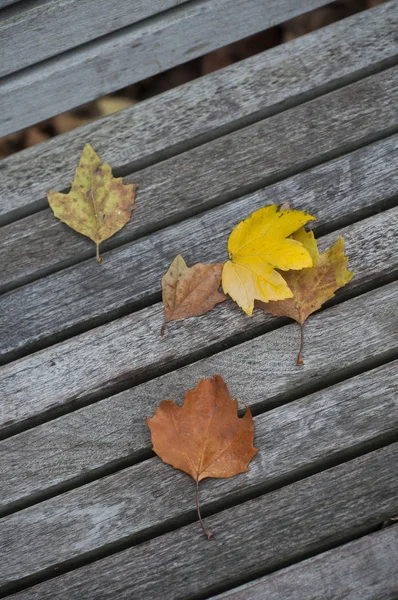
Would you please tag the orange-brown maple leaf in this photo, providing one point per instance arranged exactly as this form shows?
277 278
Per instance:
204 437
311 287
190 292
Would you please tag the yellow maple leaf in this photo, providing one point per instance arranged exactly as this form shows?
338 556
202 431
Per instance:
311 287
98 204
258 246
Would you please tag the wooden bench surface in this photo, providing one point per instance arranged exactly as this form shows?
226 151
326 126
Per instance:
124 56
86 510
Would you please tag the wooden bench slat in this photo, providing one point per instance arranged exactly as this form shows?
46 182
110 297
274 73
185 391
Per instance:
4 3
63 449
382 222
126 351
30 315
135 53
252 538
292 438
30 34
361 570
229 98
40 244
121 523
80 297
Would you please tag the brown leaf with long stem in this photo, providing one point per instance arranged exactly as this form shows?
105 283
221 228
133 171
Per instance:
98 204
190 292
311 287
204 437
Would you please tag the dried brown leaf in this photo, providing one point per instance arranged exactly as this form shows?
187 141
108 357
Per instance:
204 437
190 292
311 287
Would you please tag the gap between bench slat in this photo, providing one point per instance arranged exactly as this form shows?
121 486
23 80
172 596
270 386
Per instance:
135 53
251 539
201 110
31 33
291 439
95 293
4 3
364 569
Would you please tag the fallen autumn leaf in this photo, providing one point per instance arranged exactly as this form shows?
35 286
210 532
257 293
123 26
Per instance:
98 204
190 292
204 437
313 286
257 246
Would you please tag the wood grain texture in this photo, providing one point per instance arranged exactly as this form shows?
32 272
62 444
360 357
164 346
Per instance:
4 3
113 429
200 169
116 442
360 570
291 438
130 349
78 296
250 539
135 53
40 244
25 31
205 108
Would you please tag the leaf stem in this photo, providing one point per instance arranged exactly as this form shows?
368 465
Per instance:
300 359
97 255
207 533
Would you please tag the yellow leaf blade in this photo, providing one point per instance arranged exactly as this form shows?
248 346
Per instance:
307 239
265 225
258 246
284 255
98 205
253 280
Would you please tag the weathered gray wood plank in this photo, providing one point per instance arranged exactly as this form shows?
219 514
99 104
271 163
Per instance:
290 439
40 244
250 539
78 296
361 570
65 448
4 3
203 109
312 136
134 53
127 350
26 31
